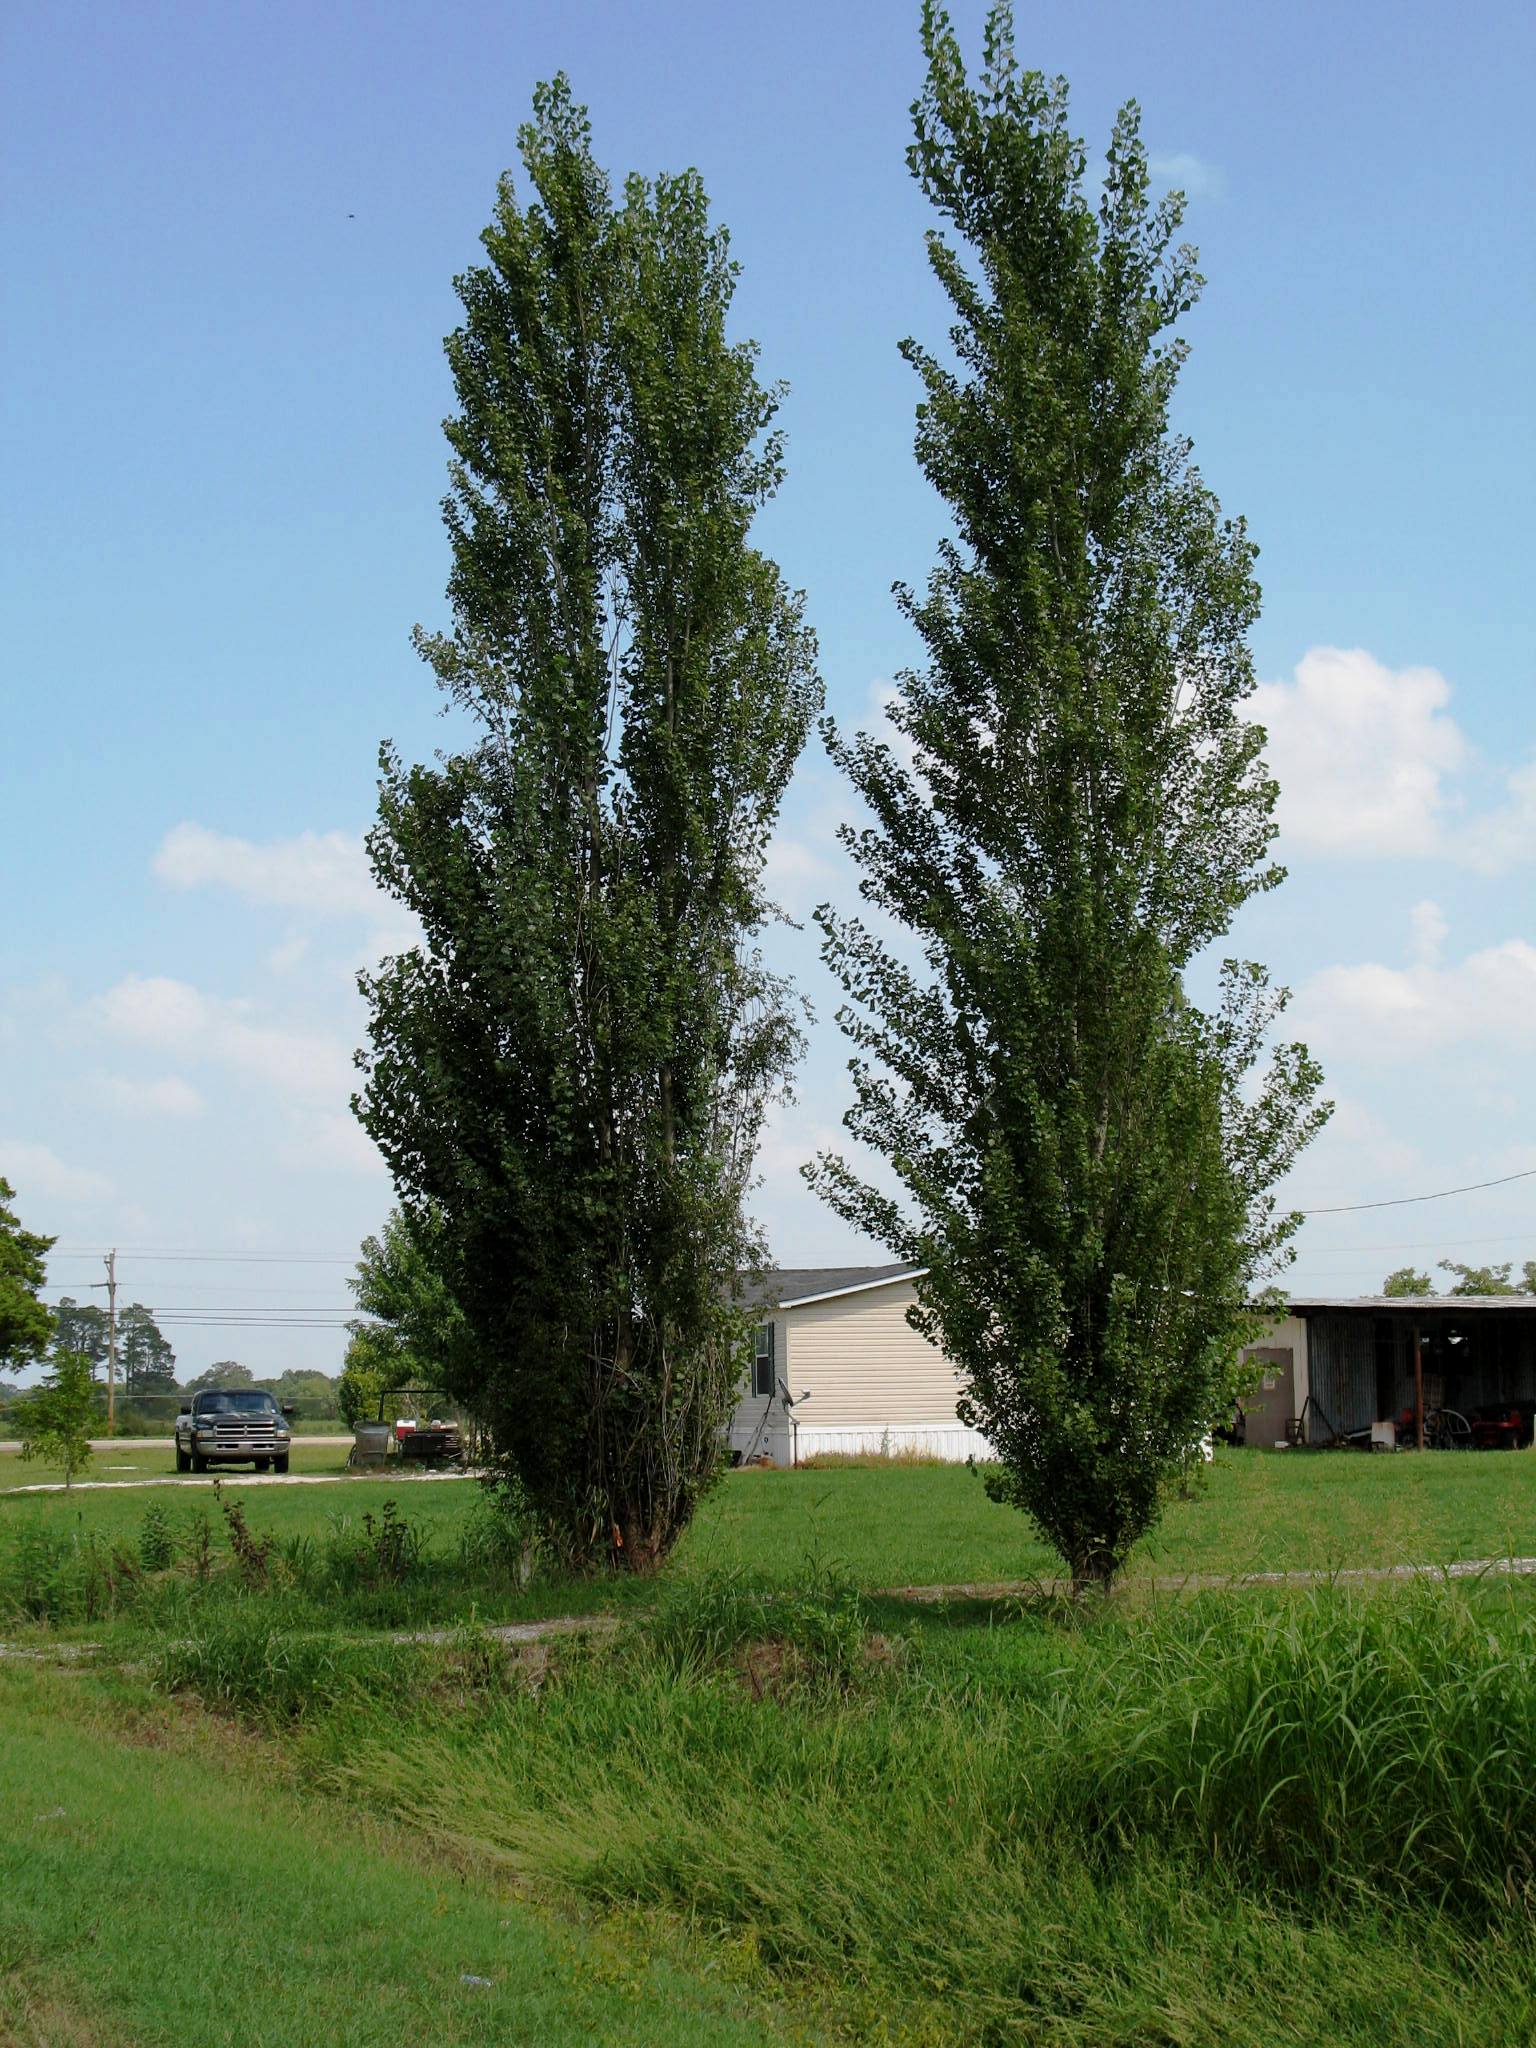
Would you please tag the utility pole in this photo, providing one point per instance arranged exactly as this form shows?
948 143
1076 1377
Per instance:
111 1265
110 1285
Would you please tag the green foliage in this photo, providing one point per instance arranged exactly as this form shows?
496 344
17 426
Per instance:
1328 1741
157 1539
1466 1280
224 1372
1085 1154
148 1362
382 1550
312 1395
59 1577
1475 1280
1407 1282
413 1332
568 1076
242 1658
81 1326
24 1320
498 1539
54 1423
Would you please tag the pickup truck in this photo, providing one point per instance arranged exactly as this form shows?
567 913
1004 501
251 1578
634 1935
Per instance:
233 1426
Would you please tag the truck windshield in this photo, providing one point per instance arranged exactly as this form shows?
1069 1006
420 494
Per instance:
236 1401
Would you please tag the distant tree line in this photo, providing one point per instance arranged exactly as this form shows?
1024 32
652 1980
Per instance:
147 1385
1465 1280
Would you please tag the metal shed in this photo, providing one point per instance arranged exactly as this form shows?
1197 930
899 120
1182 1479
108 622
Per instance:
1404 1358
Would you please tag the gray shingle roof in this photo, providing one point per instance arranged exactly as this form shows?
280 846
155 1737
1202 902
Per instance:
793 1283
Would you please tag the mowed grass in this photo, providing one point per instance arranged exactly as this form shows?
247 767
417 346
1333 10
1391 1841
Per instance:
895 1526
155 1888
137 1461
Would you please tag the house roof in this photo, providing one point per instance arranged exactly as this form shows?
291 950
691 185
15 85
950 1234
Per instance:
1413 1304
789 1286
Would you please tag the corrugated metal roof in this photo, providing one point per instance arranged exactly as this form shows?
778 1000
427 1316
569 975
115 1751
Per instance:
1413 1304
814 1283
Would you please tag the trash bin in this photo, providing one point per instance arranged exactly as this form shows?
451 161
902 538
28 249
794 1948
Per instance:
370 1443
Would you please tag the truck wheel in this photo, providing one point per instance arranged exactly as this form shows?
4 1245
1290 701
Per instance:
199 1464
260 1464
183 1461
280 1464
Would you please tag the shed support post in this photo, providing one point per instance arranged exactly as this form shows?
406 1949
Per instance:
1418 1389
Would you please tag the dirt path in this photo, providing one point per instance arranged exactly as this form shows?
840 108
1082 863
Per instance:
1207 1582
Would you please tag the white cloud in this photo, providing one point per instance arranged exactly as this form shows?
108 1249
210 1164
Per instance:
1191 174
283 959
1381 1013
1361 753
1508 834
324 873
1356 1153
301 1065
35 1170
169 1096
332 1141
1429 927
1367 758
793 867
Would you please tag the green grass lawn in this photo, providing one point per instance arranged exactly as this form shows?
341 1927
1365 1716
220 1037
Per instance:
156 1888
157 1461
912 1525
1263 1816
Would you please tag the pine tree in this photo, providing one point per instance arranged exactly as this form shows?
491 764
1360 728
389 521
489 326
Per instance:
568 1075
1084 1153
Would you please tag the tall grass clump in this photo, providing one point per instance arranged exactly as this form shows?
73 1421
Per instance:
244 1660
813 1634
1200 1823
1381 1740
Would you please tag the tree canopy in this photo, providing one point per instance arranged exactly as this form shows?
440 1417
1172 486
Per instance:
25 1324
1407 1281
54 1420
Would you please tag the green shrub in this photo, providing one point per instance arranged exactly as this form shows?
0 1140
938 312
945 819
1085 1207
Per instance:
382 1550
157 1541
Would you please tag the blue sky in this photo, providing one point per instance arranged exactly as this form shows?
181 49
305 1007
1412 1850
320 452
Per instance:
232 234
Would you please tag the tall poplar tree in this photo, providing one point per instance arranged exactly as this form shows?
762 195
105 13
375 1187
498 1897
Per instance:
1084 1154
567 1076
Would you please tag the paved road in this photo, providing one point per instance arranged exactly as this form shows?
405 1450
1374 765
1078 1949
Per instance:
152 1443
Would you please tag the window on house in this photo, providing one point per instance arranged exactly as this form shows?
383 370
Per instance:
762 1361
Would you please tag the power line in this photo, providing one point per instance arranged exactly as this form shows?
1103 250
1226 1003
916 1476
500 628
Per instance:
1403 1201
75 1251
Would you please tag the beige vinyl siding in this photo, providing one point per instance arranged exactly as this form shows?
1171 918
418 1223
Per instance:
863 1364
